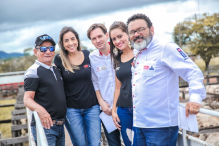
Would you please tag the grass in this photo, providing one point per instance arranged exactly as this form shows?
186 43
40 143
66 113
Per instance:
6 130
9 101
201 63
5 114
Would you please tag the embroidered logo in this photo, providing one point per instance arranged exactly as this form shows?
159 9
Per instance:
182 53
45 37
103 68
117 68
86 66
148 67
131 63
151 68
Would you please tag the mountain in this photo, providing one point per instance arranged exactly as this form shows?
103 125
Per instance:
4 55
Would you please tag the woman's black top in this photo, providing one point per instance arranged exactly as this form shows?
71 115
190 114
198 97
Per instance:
78 86
124 75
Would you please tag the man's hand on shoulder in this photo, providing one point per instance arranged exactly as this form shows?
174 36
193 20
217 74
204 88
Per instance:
106 108
45 118
192 108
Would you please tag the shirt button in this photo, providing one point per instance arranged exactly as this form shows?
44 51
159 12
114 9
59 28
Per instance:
135 73
138 63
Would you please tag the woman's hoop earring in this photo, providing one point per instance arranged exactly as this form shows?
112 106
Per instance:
129 45
115 51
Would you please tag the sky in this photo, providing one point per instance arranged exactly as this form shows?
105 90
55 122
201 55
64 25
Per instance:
21 21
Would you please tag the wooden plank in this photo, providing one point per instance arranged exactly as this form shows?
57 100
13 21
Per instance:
5 121
14 140
7 98
18 117
19 106
19 101
18 127
21 111
7 105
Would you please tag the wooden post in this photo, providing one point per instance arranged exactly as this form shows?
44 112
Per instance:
183 94
207 79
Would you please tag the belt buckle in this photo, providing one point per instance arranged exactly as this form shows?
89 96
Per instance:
60 122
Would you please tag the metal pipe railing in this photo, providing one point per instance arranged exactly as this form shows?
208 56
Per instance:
30 135
204 111
195 140
201 110
41 137
12 73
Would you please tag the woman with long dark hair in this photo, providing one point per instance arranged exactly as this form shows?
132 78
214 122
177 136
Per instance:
82 118
122 54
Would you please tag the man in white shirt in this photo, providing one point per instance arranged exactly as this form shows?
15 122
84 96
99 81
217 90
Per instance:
155 75
103 75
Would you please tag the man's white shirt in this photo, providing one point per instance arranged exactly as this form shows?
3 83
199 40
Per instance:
155 88
103 75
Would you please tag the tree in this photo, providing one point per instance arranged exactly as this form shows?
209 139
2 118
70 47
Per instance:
27 51
200 35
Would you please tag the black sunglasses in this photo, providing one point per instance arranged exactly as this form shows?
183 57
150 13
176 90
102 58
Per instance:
44 49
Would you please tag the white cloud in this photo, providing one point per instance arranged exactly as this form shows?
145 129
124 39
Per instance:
164 17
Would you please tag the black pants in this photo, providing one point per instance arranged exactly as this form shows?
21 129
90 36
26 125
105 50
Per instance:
113 138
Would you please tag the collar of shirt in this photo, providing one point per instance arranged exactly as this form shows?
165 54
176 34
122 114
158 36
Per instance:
151 42
100 53
43 65
46 66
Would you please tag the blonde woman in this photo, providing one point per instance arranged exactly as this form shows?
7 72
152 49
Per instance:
82 118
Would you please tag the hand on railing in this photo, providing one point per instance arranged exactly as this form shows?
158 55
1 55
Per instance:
45 118
192 108
41 137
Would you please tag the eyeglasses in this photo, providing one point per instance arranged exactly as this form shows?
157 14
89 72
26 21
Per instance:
44 49
139 30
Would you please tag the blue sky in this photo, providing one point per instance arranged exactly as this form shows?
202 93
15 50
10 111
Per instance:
22 21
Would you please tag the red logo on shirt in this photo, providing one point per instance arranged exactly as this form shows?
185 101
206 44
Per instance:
146 67
98 69
86 66
131 63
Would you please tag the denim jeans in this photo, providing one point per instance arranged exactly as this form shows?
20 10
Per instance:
166 136
55 135
128 132
84 126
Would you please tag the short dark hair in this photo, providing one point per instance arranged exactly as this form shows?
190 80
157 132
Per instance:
94 26
140 16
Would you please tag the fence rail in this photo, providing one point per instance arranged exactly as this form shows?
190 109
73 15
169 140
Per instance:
41 137
190 140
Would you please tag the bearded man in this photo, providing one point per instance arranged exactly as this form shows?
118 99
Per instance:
155 75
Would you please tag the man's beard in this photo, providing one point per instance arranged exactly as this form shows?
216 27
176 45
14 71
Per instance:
146 41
